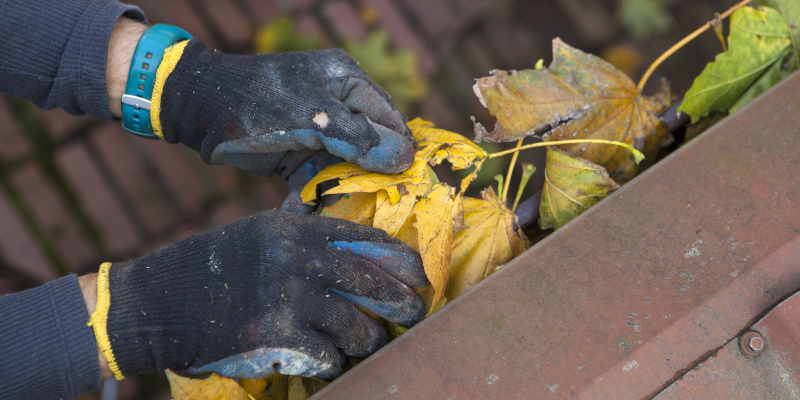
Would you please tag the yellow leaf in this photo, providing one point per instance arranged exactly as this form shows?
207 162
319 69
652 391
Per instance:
279 386
457 149
435 234
491 237
314 385
256 388
408 232
336 171
356 179
213 387
355 207
571 186
296 389
427 294
391 217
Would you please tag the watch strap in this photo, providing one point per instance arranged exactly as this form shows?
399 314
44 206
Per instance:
142 76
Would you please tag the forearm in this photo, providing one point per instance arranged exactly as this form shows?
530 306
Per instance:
55 52
47 350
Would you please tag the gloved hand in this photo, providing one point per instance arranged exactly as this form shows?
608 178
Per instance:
251 112
270 292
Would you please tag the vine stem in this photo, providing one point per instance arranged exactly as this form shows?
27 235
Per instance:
638 156
511 171
683 42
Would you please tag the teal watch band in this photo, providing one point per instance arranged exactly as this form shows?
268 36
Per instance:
142 77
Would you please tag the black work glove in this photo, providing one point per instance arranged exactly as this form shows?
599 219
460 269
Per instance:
252 111
270 292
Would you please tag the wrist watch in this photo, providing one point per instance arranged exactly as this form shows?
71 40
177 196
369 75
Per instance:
142 77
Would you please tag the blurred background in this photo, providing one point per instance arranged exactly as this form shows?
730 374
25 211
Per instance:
78 191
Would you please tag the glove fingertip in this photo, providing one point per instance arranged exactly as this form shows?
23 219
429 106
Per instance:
404 313
394 153
399 261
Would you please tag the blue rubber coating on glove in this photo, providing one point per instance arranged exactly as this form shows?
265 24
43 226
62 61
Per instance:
297 181
389 311
266 361
396 260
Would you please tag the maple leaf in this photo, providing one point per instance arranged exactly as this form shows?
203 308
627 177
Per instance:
297 391
354 207
491 237
758 42
579 96
213 387
391 217
790 11
257 388
427 294
435 216
356 179
571 186
457 149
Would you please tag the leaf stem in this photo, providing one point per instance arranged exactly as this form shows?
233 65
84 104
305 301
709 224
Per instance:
527 172
511 171
637 155
683 42
499 179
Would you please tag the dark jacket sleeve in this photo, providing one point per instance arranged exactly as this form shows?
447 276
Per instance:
54 52
46 349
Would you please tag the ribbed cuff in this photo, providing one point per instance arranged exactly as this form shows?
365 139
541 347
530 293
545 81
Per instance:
86 56
47 350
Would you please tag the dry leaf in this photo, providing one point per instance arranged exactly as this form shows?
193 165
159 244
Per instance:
391 217
356 179
491 237
354 207
457 149
408 232
314 385
213 387
435 234
279 386
257 388
297 391
571 186
427 294
579 96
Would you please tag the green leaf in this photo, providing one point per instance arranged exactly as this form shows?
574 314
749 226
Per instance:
773 75
280 36
645 18
571 186
790 10
758 40
396 71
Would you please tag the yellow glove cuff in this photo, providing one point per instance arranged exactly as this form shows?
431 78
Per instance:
99 319
171 56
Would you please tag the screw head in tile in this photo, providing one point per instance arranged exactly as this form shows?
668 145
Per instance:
752 343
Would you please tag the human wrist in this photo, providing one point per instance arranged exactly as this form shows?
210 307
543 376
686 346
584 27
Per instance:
124 37
88 284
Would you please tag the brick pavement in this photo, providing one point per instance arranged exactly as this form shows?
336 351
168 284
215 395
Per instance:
77 191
